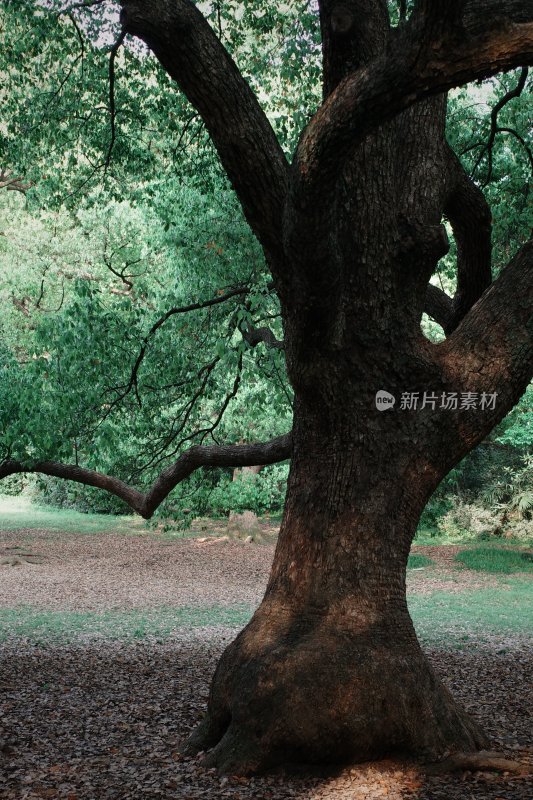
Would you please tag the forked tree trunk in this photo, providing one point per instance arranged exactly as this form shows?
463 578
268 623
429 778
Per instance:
329 669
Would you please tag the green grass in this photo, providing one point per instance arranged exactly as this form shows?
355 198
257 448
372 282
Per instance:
417 561
442 619
450 619
496 559
19 512
54 626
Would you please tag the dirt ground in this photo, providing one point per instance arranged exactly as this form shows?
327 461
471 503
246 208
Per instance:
98 718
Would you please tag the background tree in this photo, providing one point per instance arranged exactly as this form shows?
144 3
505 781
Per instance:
330 667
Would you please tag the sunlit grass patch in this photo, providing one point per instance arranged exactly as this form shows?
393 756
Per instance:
19 512
496 559
451 618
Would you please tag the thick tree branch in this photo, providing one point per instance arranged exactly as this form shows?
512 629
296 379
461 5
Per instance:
112 105
253 336
471 221
353 33
13 183
439 306
271 452
428 55
193 56
492 349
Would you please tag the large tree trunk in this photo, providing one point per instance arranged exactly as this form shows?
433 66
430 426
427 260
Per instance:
329 669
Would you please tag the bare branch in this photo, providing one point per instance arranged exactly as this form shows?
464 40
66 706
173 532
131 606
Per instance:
13 184
112 108
133 381
253 336
278 449
495 128
82 6
519 138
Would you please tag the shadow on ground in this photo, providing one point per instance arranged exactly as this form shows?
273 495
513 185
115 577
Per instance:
105 719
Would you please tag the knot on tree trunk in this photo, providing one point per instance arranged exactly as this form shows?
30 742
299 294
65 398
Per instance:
341 19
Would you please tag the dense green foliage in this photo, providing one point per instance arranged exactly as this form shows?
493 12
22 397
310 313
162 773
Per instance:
130 216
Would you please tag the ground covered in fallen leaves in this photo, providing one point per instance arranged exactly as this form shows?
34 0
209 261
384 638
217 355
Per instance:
108 643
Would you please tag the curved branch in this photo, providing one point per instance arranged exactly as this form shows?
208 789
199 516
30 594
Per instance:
278 449
471 221
439 306
353 33
492 348
253 336
190 52
428 55
133 383
495 128
519 138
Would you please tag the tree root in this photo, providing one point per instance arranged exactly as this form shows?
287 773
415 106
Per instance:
480 761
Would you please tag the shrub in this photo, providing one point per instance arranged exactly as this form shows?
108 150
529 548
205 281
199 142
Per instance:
67 494
513 492
435 510
469 520
13 485
261 493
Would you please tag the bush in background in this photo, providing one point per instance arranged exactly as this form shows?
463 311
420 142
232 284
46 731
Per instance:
58 493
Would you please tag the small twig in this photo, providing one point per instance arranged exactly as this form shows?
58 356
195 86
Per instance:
82 6
133 381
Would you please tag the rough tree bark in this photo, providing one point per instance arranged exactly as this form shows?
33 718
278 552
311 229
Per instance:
330 668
